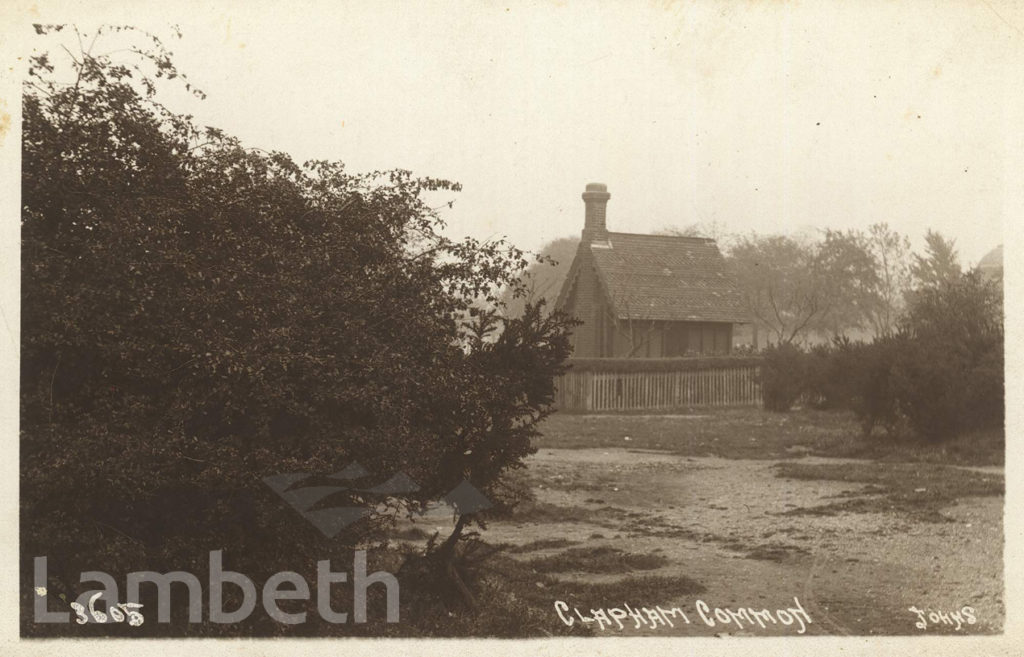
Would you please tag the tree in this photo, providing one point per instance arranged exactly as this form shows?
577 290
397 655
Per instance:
544 277
891 252
713 229
771 275
846 276
793 288
939 264
948 373
198 315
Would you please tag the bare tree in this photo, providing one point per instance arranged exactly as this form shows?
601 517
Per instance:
794 288
891 252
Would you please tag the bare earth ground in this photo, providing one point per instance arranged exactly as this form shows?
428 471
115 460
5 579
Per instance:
740 528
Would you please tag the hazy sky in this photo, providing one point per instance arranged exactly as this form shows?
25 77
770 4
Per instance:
763 116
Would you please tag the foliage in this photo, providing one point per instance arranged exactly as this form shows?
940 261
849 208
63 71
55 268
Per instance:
891 254
939 264
198 315
783 374
941 374
847 280
948 376
828 369
660 364
793 288
714 229
873 397
855 376
543 278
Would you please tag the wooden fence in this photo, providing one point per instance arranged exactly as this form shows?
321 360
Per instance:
658 388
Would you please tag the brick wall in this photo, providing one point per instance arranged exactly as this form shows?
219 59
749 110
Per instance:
587 304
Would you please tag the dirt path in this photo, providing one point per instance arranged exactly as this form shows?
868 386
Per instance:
721 522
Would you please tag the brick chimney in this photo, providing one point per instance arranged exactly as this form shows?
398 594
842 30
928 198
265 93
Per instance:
595 198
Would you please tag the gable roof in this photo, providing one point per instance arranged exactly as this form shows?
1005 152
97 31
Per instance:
664 278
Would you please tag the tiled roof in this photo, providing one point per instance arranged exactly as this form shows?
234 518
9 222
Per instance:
662 277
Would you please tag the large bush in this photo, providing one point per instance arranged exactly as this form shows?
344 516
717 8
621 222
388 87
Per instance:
829 381
855 376
783 376
197 315
941 374
948 373
873 395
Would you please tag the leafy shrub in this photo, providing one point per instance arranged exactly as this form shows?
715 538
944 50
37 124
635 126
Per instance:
829 381
197 315
940 375
854 376
873 397
681 364
948 373
782 377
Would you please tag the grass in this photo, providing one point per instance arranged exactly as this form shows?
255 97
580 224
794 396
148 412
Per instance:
541 589
601 559
776 552
638 589
750 433
977 448
544 512
913 489
541 544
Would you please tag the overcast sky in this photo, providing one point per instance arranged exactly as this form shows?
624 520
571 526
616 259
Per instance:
761 116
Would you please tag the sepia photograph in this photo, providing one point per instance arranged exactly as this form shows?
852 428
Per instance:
614 327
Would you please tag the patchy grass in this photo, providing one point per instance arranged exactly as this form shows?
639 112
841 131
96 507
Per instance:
544 512
644 587
750 433
978 448
542 544
916 490
776 552
601 559
542 589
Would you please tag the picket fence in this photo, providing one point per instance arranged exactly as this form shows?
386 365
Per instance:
659 388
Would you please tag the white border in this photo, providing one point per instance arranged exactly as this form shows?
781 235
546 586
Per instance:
15 32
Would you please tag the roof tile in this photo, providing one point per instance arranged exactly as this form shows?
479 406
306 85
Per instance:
669 278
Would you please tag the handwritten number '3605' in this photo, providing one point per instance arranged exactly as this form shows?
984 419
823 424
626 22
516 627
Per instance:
118 612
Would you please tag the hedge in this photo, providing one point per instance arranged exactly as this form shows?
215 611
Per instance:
661 364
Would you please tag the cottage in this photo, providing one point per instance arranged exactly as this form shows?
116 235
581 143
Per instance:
647 296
